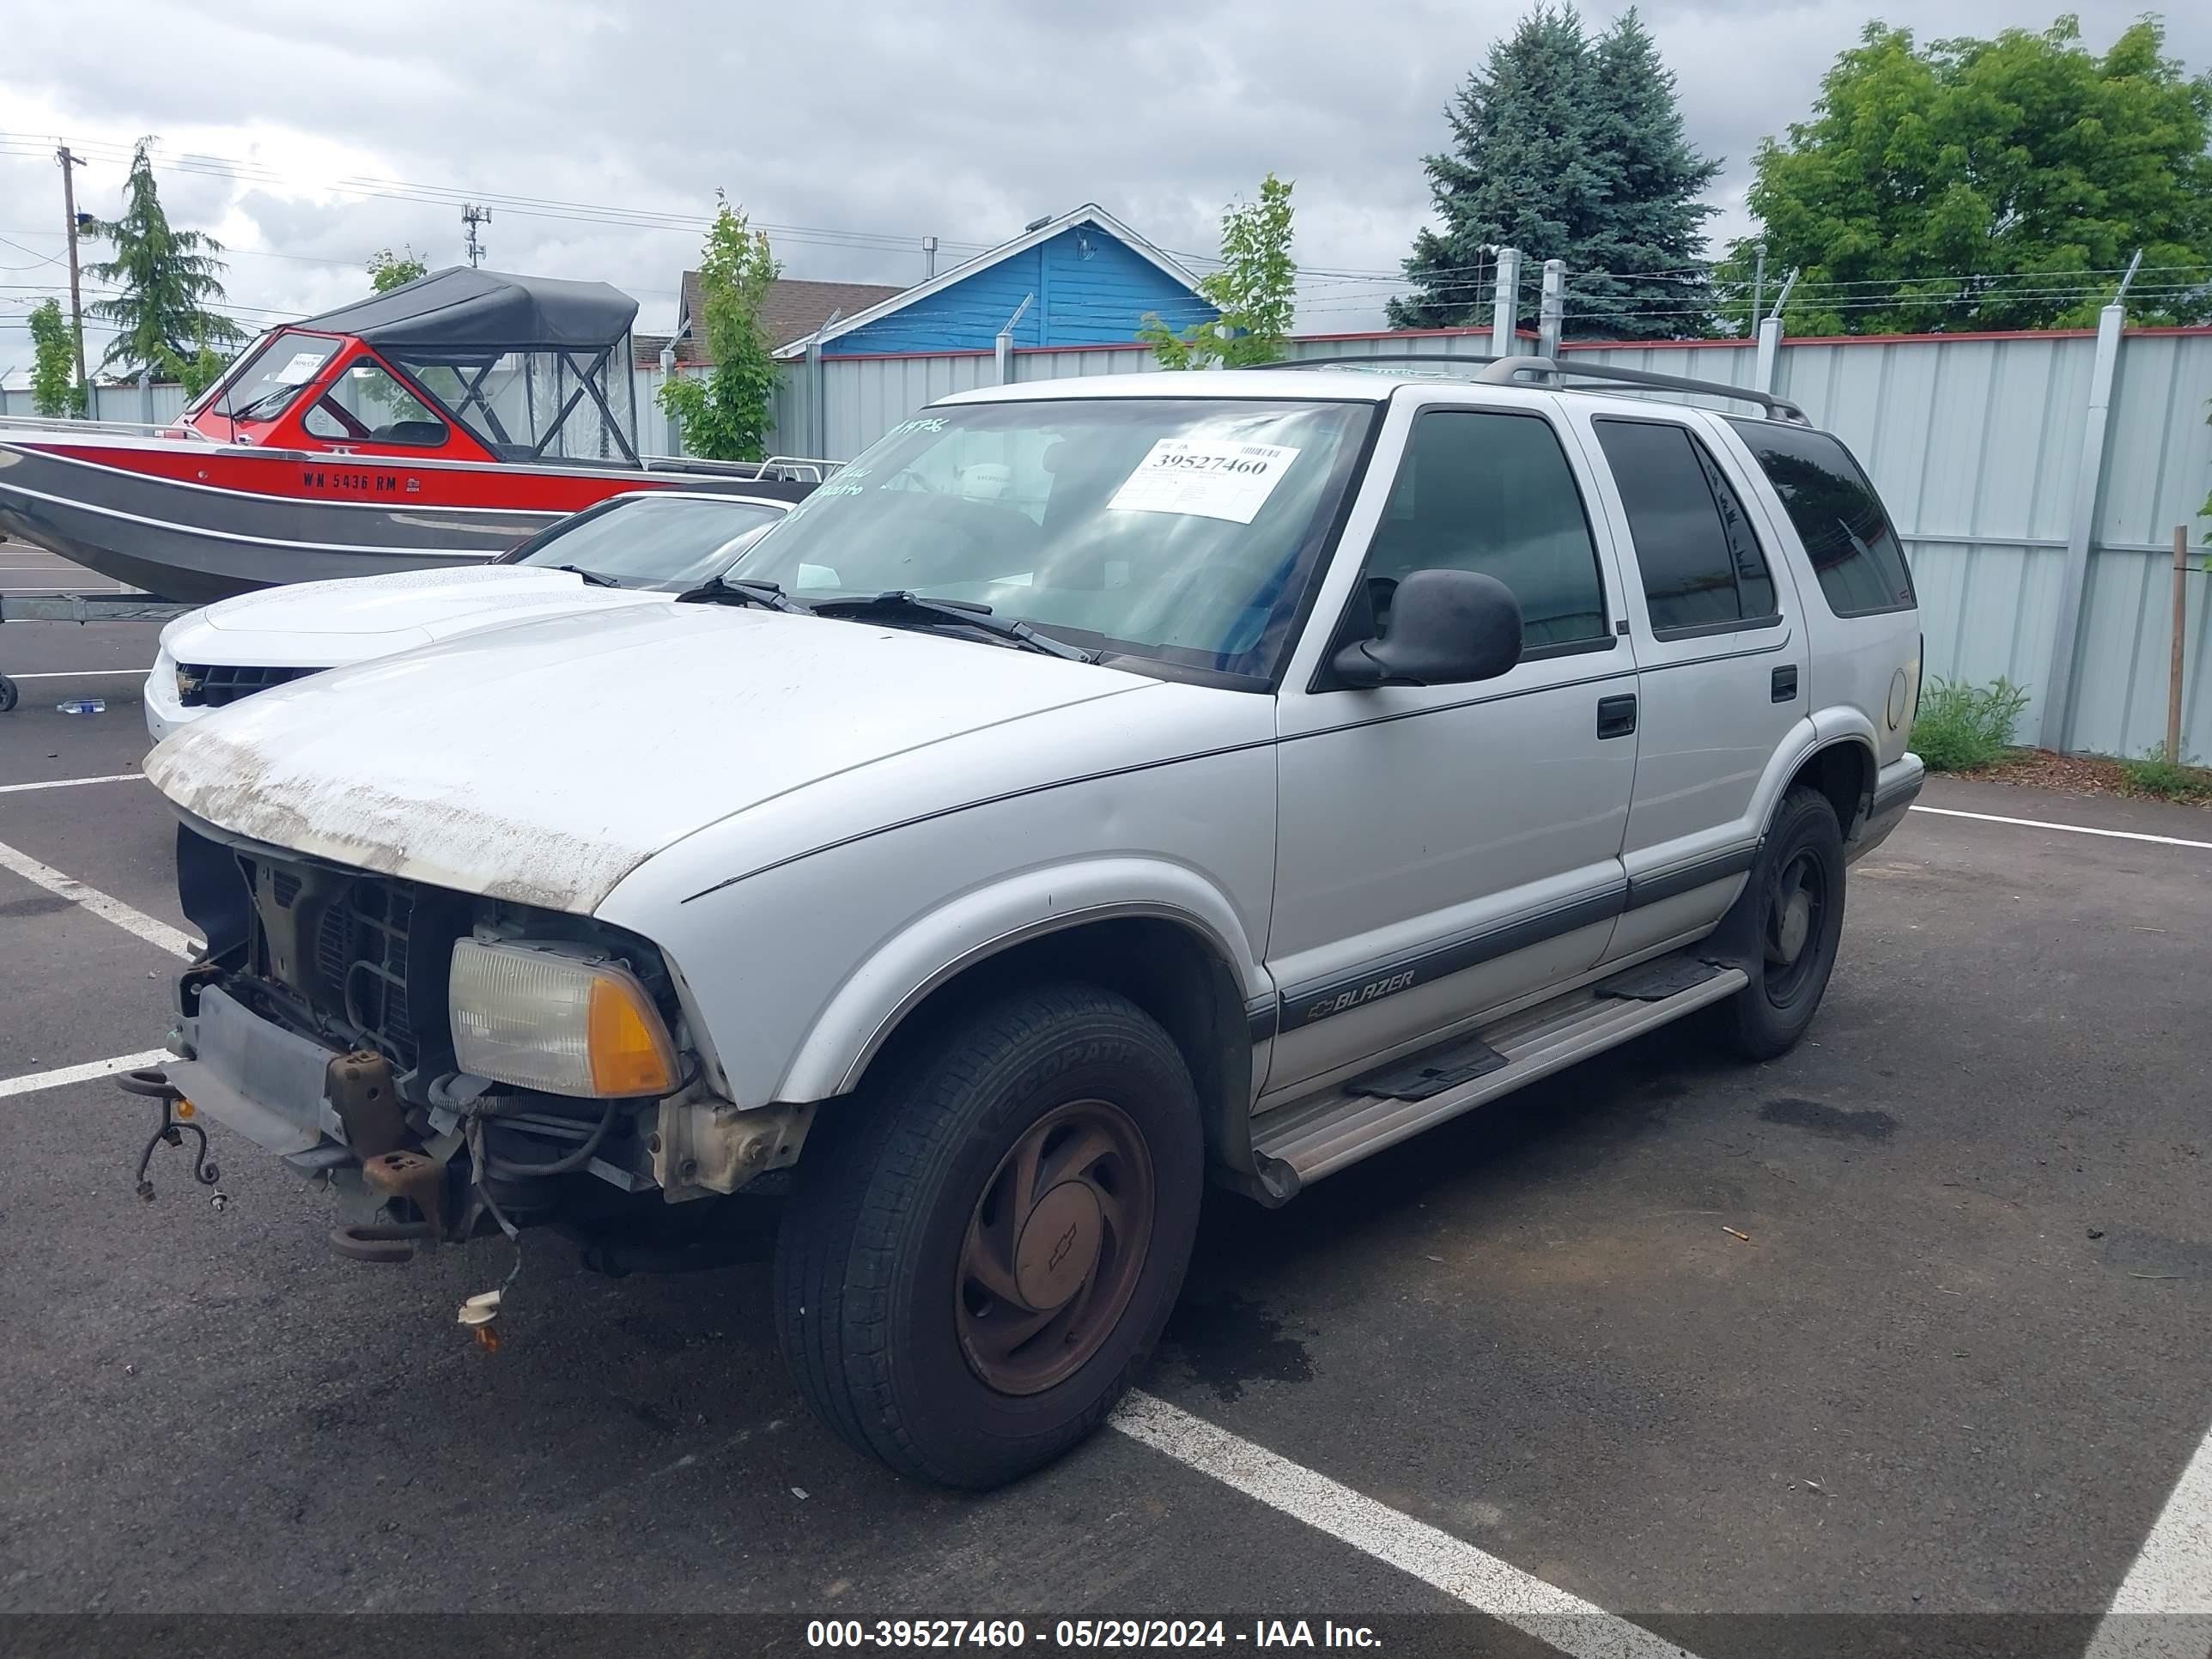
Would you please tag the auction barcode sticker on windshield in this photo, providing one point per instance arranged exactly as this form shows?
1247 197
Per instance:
1209 479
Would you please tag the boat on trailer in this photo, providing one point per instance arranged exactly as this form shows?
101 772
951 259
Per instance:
439 423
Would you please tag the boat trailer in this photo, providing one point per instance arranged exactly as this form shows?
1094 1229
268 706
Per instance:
81 608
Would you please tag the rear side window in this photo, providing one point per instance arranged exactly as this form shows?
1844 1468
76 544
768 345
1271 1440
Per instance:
1838 517
1491 492
1702 565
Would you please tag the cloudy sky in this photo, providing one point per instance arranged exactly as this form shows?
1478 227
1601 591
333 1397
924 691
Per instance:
307 138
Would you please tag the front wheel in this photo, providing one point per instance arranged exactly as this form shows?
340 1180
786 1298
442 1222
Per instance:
983 1249
1795 897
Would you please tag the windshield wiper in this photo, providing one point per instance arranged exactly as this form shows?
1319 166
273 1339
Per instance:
899 605
276 399
741 590
591 577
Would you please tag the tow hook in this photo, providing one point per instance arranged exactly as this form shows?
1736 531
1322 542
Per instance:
380 1241
402 1173
177 1115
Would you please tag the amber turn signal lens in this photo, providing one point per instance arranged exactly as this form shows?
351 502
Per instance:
628 1046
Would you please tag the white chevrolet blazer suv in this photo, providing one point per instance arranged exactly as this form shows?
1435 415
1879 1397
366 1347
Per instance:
1095 787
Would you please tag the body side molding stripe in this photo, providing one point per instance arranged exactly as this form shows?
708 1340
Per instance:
1688 877
1302 1004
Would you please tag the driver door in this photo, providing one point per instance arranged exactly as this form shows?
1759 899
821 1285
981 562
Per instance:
1443 850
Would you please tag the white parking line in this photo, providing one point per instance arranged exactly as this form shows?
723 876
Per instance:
1461 1571
2164 1610
76 673
72 783
2070 828
149 928
34 1081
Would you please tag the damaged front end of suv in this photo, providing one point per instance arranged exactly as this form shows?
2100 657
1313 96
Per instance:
446 1065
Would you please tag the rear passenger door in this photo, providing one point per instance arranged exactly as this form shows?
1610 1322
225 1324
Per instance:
1720 664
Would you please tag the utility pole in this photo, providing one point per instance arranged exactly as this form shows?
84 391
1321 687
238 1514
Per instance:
472 216
69 165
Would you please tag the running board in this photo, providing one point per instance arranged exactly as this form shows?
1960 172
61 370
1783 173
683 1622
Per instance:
1322 1134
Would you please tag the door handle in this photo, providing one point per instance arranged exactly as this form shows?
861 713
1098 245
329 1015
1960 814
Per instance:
1784 684
1616 716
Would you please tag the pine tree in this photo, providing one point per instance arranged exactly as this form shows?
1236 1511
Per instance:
1520 174
169 281
1567 149
1651 224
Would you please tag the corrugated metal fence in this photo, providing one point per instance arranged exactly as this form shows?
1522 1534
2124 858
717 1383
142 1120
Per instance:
1975 442
161 402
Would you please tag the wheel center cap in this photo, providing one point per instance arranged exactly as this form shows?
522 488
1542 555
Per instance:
1058 1245
1797 923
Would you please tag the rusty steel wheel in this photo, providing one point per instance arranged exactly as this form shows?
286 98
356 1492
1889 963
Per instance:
1055 1247
984 1242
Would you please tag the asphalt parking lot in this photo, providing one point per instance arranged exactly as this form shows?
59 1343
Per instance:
1896 1344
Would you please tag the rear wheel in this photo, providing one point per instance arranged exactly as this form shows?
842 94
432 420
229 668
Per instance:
1795 900
984 1247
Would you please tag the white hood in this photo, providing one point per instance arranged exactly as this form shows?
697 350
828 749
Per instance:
542 762
328 624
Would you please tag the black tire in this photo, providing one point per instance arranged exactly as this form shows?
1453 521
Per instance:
1790 964
872 1264
7 694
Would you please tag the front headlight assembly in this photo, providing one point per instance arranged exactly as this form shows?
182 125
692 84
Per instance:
549 1017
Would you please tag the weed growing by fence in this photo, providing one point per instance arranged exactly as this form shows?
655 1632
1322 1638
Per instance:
2154 774
1959 727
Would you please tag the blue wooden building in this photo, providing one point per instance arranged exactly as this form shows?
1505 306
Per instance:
1087 278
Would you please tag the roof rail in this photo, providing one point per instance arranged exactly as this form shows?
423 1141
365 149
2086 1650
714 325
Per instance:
1431 359
1506 371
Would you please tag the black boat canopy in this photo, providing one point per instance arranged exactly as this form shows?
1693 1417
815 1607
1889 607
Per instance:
461 310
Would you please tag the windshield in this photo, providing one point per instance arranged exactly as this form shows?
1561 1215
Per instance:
1182 529
667 543
267 382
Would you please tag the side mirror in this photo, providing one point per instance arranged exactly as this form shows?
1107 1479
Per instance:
1447 628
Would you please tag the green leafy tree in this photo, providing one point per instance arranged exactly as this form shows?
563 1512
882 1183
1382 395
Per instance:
54 389
201 368
727 416
388 271
1567 149
1990 185
169 281
1254 291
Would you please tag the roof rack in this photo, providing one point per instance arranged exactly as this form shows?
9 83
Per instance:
1433 359
1507 371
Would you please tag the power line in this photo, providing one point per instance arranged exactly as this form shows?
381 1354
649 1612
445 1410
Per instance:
453 196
